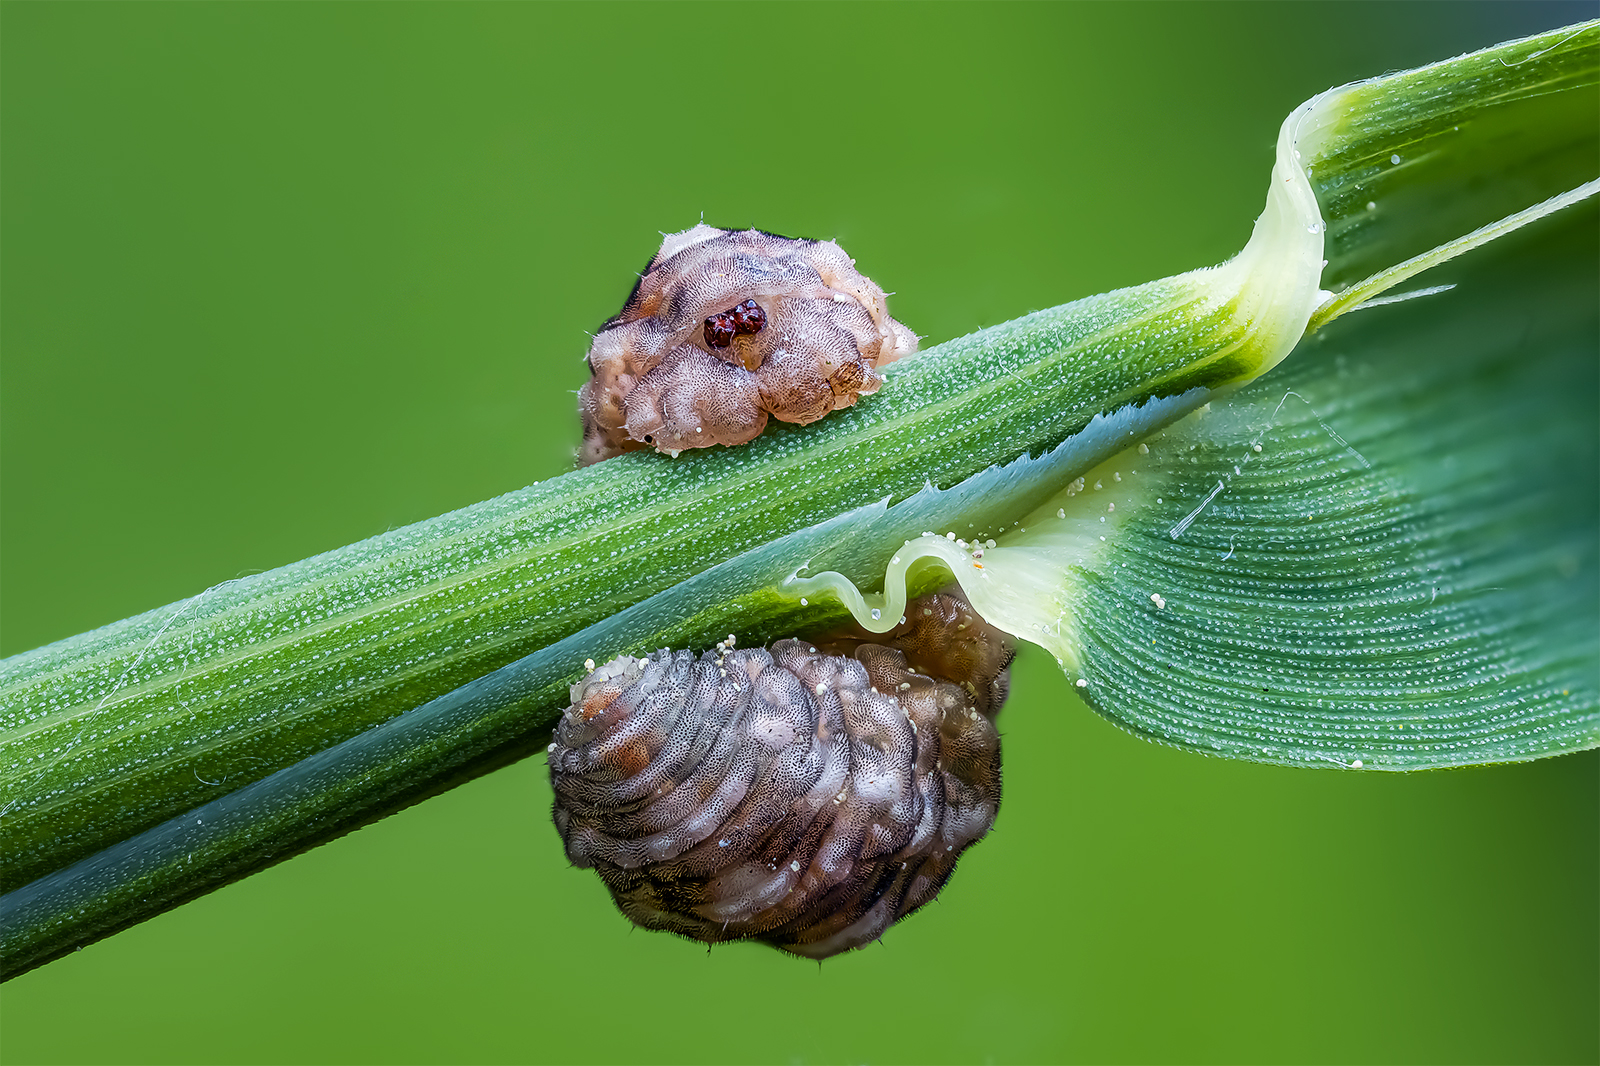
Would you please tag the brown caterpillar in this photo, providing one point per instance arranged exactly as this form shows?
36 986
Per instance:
726 328
808 795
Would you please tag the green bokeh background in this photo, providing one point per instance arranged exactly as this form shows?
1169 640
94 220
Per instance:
276 278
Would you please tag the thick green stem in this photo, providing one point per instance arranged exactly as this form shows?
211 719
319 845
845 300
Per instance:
114 732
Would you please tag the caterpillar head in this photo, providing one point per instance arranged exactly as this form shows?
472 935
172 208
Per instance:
726 328
808 794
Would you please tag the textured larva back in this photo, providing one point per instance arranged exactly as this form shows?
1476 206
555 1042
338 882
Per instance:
807 795
726 327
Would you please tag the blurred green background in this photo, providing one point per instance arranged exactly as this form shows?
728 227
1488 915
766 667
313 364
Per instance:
279 277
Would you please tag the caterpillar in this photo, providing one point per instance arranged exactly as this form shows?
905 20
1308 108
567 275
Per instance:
726 328
807 795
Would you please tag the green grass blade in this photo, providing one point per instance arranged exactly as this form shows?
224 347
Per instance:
1404 576
1413 160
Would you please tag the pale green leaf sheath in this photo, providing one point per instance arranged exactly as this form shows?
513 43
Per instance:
150 761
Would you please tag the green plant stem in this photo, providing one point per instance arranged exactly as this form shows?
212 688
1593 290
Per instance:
116 731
